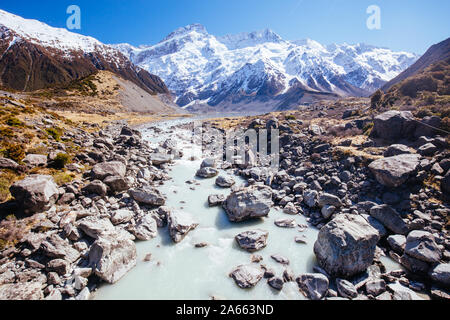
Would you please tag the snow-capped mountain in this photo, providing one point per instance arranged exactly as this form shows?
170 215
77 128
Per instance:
241 69
34 55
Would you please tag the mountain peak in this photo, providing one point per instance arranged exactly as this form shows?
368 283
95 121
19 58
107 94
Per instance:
195 27
248 39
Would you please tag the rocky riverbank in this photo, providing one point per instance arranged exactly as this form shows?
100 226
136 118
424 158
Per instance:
368 199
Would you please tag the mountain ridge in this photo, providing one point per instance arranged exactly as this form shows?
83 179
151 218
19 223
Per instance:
34 56
198 67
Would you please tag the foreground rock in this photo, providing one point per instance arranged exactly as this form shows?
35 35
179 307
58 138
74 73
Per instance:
253 240
441 274
313 285
35 193
422 246
6 163
394 125
225 182
389 218
180 224
112 257
247 276
346 245
21 291
248 203
395 171
215 200
146 228
105 169
207 172
148 195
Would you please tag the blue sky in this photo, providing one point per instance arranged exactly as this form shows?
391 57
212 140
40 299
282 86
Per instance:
411 25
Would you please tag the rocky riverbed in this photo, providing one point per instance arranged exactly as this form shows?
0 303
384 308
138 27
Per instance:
155 221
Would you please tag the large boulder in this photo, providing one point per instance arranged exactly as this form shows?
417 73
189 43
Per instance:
441 274
422 246
394 125
112 257
96 187
117 183
6 163
180 224
148 195
22 291
313 285
248 203
146 228
105 169
121 216
35 160
396 149
390 218
247 276
225 181
346 245
394 171
253 240
35 193
57 248
95 227
161 158
207 172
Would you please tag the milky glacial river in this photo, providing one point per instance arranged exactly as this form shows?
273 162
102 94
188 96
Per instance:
183 272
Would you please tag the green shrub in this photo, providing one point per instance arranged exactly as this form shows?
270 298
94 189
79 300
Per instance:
290 117
7 132
376 98
62 178
14 122
14 152
55 133
61 160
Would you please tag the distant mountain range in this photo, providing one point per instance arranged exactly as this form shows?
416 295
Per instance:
261 70
248 71
34 56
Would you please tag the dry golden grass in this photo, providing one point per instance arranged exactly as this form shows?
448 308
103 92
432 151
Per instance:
134 119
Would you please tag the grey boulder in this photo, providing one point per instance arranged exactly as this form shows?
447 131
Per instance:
248 203
346 245
180 224
422 246
389 218
253 240
207 172
105 169
246 276
112 257
35 193
313 285
225 182
148 195
394 125
146 228
395 171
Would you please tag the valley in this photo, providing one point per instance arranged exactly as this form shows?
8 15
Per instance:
141 173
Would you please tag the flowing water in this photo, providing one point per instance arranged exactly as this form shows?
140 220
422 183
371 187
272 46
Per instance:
183 272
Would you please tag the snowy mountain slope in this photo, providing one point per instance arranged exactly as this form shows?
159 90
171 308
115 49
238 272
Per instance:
201 68
34 56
